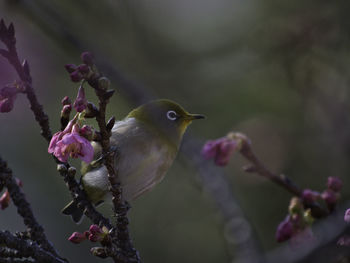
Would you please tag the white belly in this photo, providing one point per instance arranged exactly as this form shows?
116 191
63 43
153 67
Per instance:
138 170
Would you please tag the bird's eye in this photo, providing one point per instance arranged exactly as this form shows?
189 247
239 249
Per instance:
171 115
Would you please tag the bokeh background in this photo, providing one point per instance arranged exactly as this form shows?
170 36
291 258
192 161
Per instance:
275 70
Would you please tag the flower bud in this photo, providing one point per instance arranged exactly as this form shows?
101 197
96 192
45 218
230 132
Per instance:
76 76
19 182
87 132
66 101
5 200
8 96
104 83
61 168
334 183
97 234
309 196
6 105
70 68
87 58
80 102
344 241
99 252
284 230
331 198
72 171
83 69
347 216
77 237
65 112
9 91
220 149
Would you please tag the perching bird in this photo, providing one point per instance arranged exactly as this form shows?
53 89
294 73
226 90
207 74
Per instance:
146 141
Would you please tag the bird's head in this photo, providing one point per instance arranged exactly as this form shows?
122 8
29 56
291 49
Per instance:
165 117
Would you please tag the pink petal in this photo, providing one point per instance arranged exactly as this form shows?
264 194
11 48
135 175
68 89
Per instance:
87 152
53 142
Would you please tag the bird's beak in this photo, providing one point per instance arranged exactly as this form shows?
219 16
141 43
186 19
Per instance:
192 117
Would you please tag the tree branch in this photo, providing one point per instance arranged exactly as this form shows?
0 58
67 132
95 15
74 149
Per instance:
121 207
35 230
259 168
28 249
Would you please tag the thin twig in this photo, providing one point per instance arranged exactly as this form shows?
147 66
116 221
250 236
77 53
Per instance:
259 168
120 207
24 209
27 248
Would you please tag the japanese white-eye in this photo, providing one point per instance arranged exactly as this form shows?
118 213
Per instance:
146 141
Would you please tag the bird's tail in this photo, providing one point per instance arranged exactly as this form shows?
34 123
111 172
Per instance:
74 211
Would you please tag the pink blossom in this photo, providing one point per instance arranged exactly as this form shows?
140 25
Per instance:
80 102
77 237
66 101
330 197
66 109
69 143
309 196
285 230
5 200
344 241
87 58
84 69
347 216
76 76
70 68
8 96
334 183
96 233
220 149
87 132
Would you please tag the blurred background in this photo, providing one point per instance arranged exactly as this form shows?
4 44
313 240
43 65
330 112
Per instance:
275 70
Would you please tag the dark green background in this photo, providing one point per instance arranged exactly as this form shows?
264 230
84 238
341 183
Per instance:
275 70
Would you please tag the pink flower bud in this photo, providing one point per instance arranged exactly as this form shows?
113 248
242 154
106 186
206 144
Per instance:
96 233
347 216
330 197
19 182
80 102
220 149
344 241
76 76
334 183
5 200
87 132
8 96
309 196
66 111
77 237
70 68
87 58
84 69
66 101
284 230
9 91
6 105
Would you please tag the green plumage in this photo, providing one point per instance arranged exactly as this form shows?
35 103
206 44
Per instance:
147 141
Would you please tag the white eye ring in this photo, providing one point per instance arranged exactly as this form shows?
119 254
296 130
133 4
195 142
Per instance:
171 115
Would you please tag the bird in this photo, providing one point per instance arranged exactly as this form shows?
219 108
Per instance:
146 141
